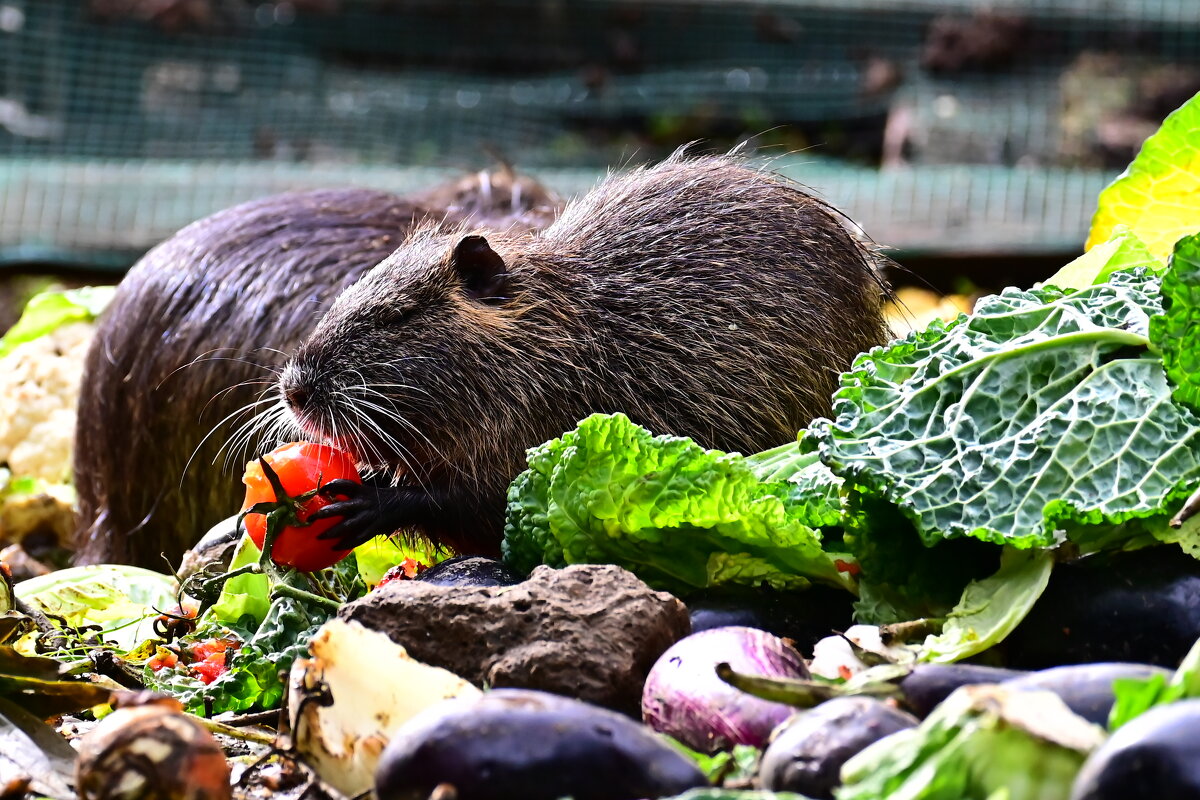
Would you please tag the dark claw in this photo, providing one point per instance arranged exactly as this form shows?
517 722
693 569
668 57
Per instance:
366 511
340 488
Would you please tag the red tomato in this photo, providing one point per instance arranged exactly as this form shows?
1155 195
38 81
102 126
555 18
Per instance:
163 659
406 570
205 648
210 668
301 466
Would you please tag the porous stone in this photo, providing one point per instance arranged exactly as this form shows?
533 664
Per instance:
586 631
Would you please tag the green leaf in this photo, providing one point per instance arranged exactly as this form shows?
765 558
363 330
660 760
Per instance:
120 599
528 540
1135 696
257 672
815 492
991 608
1123 251
244 596
1158 195
903 577
1176 331
380 554
46 311
737 765
979 741
1042 413
677 515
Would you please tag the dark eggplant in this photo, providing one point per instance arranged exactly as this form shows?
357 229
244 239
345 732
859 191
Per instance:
470 571
803 616
807 753
1153 757
516 743
1139 606
1086 688
929 684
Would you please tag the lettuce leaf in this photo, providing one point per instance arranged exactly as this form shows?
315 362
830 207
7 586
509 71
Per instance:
815 492
1135 696
1158 195
1124 250
991 608
1176 332
122 601
258 669
979 743
679 516
48 310
1043 415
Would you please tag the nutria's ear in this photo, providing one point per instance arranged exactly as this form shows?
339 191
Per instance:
481 268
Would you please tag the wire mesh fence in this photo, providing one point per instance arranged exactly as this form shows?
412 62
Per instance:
994 123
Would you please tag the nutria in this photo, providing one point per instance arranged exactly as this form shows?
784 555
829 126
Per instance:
700 297
199 327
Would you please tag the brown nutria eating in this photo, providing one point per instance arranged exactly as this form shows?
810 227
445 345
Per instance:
700 297
201 324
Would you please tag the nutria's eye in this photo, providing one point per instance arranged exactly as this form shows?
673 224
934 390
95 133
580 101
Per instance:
481 268
393 315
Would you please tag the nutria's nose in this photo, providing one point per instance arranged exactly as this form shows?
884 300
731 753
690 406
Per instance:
296 396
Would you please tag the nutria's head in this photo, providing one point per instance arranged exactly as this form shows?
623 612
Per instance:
414 367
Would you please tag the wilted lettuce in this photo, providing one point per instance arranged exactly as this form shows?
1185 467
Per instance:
119 600
982 742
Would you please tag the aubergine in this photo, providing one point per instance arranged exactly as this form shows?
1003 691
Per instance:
1141 606
804 616
517 743
929 684
1086 689
1155 756
470 571
807 753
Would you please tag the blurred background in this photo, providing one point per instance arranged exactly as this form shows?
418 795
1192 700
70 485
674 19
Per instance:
968 138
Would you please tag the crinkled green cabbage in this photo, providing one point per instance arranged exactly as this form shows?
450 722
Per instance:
678 515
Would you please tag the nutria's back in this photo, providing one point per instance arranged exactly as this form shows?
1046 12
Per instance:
197 331
700 297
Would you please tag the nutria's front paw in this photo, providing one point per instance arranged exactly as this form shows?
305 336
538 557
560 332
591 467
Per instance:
366 511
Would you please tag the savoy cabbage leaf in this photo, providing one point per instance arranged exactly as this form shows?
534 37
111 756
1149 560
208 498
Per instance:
1044 412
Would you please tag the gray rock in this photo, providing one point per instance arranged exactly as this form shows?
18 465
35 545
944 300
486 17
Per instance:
585 631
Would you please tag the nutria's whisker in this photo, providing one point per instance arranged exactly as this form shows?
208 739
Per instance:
236 413
392 414
238 444
267 385
211 356
409 463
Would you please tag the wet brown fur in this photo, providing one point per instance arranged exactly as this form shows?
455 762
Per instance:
198 328
699 297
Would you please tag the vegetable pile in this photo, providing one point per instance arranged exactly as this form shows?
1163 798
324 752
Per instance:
977 477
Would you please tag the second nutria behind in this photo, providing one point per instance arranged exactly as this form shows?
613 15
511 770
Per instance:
700 297
198 329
